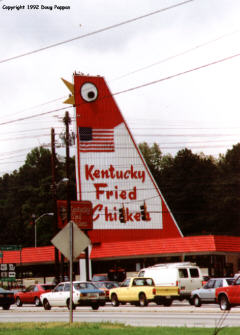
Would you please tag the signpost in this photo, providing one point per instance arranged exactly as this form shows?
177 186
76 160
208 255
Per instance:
10 247
62 241
7 272
81 213
71 241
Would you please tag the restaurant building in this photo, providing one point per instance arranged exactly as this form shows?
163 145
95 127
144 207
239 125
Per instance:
132 224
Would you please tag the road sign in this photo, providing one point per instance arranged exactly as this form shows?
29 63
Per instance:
81 214
62 241
7 272
10 247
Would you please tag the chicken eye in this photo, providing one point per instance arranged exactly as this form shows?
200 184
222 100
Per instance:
89 92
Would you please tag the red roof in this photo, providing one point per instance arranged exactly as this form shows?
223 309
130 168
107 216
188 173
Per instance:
193 244
131 249
29 255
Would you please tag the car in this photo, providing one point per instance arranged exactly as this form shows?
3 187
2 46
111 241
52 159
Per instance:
205 280
17 288
100 277
31 295
6 298
229 296
140 291
84 294
186 275
106 286
206 293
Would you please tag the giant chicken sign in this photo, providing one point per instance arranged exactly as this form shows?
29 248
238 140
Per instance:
110 170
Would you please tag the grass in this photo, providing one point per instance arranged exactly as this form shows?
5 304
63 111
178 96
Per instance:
47 328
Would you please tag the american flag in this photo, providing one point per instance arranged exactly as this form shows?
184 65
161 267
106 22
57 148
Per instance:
96 140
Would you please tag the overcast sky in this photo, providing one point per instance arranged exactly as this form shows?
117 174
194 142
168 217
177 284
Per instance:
198 109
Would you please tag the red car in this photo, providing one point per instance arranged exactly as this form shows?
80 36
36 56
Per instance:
32 294
229 296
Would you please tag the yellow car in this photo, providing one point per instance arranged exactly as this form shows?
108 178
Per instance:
140 291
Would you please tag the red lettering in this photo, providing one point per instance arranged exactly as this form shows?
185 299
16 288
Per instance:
91 173
97 208
129 216
123 195
98 191
88 172
109 216
137 216
133 194
112 216
109 194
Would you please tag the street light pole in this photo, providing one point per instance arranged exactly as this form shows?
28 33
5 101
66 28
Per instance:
35 224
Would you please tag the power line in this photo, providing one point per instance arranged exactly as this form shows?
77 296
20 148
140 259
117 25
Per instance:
132 88
143 68
177 55
95 32
33 116
40 105
177 74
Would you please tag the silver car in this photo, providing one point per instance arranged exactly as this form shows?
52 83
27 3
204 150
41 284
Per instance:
206 293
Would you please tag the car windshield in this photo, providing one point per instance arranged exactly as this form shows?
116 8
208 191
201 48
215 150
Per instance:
2 290
99 277
230 281
81 286
143 282
107 285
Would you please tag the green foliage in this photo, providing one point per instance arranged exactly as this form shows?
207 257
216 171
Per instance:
203 193
76 328
28 192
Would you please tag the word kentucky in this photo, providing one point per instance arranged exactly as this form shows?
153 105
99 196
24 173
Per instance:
111 173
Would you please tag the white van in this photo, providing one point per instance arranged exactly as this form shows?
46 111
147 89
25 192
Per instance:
186 275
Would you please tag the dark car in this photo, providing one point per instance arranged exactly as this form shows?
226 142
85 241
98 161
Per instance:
106 286
100 277
32 294
6 298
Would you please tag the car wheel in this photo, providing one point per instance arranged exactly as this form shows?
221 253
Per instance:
224 303
197 301
6 307
95 306
167 302
142 300
114 300
46 305
37 302
68 304
18 302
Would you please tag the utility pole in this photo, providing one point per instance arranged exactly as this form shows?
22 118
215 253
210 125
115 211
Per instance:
54 193
67 121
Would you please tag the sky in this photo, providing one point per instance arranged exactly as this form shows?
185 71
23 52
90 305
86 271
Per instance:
172 65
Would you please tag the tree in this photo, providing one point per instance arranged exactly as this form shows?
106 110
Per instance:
187 183
228 192
28 192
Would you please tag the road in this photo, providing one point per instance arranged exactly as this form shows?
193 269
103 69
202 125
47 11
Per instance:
178 315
